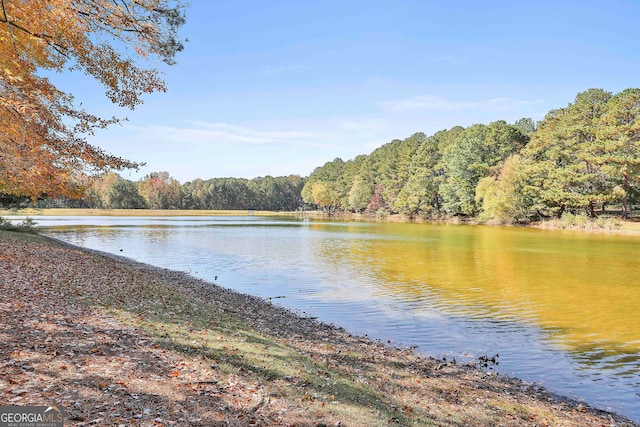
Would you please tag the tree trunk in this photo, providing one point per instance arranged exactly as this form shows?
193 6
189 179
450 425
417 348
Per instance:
625 197
591 210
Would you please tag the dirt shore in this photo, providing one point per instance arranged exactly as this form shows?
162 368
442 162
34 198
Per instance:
117 342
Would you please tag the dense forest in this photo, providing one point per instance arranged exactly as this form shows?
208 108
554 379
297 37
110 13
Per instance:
578 159
158 190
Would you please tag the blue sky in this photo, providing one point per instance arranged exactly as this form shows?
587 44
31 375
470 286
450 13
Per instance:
279 87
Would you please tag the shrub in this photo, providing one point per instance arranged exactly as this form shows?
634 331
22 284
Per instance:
28 225
570 220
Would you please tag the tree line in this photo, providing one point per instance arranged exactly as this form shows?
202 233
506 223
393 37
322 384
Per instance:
578 159
158 190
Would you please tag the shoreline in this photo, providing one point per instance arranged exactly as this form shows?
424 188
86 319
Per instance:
292 370
616 226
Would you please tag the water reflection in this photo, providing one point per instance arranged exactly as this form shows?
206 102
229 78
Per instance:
576 288
561 308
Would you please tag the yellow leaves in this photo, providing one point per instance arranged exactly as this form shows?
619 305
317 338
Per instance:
44 132
10 76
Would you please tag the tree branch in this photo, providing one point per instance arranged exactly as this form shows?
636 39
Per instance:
13 39
47 39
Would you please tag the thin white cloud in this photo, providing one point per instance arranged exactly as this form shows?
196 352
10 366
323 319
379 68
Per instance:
222 133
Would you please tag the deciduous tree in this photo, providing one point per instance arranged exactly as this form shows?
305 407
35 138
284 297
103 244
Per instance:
360 194
160 191
479 151
124 195
506 198
43 142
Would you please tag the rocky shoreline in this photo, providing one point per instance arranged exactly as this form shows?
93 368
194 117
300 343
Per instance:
117 342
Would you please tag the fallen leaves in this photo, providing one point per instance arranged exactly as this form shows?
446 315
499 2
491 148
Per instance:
88 333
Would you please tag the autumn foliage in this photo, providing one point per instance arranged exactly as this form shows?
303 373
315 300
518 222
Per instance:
43 136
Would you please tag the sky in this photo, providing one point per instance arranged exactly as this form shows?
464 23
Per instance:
279 87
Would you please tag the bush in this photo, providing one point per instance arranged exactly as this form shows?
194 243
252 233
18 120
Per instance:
382 213
570 220
28 225
582 221
608 223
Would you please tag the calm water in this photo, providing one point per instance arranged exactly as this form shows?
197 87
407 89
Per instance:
560 308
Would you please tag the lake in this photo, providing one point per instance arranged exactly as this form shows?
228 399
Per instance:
561 308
